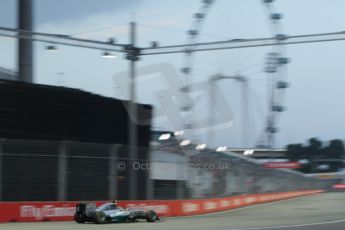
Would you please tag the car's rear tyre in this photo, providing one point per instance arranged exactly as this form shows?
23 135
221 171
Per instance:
78 219
101 218
151 216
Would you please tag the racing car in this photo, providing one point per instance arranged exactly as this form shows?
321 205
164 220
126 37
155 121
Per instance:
110 212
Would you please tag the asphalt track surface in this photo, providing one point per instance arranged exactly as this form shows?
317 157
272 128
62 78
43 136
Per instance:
321 211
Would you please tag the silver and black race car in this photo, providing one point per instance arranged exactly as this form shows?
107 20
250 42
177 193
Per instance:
109 213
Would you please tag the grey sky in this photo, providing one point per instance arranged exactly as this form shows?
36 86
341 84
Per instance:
64 10
315 102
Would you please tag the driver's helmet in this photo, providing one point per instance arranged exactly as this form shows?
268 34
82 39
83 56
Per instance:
115 202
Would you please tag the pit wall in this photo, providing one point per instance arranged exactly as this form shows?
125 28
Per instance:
64 211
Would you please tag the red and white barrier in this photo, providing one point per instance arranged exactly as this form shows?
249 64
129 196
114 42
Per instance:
339 186
64 211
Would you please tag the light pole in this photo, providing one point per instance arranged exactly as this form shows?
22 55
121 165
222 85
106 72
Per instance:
25 48
132 56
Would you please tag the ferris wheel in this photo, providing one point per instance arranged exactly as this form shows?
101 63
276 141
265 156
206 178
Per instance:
274 72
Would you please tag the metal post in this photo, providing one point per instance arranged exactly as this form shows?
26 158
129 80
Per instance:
180 181
243 179
245 117
149 181
212 82
206 188
113 173
25 45
2 141
62 179
132 56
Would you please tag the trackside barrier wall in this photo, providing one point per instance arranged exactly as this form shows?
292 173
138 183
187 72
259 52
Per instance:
64 211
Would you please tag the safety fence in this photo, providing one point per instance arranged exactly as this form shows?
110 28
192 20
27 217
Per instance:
32 170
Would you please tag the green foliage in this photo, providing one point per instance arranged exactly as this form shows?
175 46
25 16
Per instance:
317 155
314 143
294 151
335 149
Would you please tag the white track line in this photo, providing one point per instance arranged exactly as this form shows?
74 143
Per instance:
290 226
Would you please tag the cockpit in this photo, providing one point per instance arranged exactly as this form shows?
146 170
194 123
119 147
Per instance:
108 206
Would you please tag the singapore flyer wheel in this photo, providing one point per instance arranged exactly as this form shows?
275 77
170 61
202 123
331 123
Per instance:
274 70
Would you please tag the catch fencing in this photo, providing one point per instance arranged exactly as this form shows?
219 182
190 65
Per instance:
36 170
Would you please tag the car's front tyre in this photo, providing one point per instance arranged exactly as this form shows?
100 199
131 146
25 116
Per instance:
101 218
151 216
